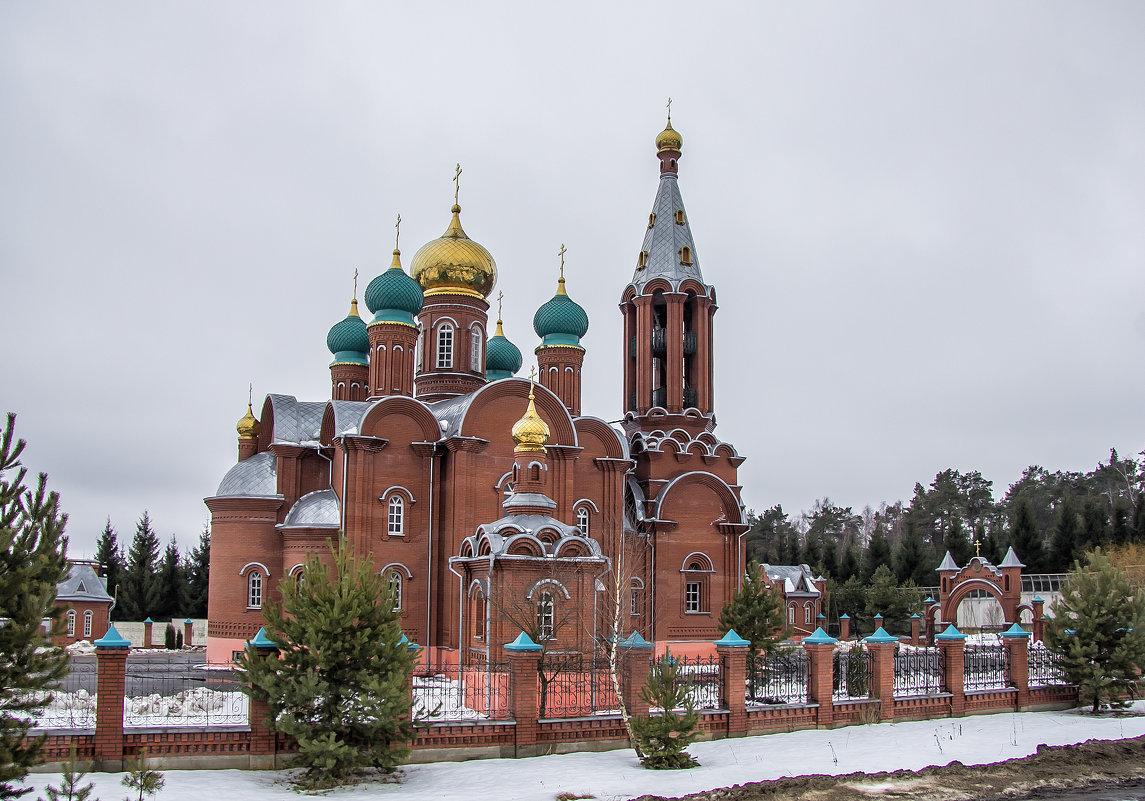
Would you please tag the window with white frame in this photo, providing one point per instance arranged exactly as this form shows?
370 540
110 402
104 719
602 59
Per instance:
395 523
254 590
791 615
419 349
475 350
582 520
480 609
394 586
697 573
692 596
71 622
807 614
545 611
87 616
445 346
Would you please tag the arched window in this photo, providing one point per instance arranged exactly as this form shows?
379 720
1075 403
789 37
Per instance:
394 585
680 217
480 610
395 525
419 349
582 520
87 624
697 571
685 255
634 596
791 615
445 347
807 614
254 590
545 610
475 342
71 622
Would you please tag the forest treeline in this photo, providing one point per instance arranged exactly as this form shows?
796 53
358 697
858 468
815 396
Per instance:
146 583
1050 519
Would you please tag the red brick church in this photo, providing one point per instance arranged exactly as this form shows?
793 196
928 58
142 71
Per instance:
489 501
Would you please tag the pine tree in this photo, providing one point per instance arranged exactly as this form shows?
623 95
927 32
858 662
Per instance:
755 614
1099 629
71 789
139 589
142 778
910 560
197 570
849 564
32 561
1121 531
1067 543
662 738
340 688
110 557
172 584
1025 539
1095 524
878 553
956 543
811 554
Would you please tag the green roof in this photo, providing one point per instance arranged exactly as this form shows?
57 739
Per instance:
560 321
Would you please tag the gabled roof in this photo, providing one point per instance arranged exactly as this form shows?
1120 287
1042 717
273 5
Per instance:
83 584
296 422
796 578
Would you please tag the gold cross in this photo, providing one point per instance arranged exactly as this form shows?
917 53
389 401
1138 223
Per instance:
355 283
977 547
669 111
532 373
562 255
397 231
250 394
456 183
499 296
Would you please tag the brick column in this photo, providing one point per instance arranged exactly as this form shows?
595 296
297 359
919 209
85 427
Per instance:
882 679
845 627
820 648
914 630
147 624
524 697
635 655
263 740
953 645
111 667
188 630
1017 643
732 650
1039 619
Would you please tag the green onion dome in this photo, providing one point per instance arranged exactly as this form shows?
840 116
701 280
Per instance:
560 321
502 357
394 297
348 340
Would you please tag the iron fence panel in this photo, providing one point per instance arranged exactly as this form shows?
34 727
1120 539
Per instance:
778 679
154 696
461 692
918 671
851 671
70 704
1046 667
985 667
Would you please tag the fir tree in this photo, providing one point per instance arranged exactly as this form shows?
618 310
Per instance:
910 560
197 570
172 584
878 553
662 738
1121 532
32 561
811 554
1066 545
956 543
828 561
139 593
755 614
884 598
1095 524
1025 539
1099 629
340 688
849 564
142 779
71 788
110 557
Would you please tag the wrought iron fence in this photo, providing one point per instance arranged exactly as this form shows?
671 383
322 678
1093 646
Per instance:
461 692
703 676
919 671
851 671
71 703
1046 667
985 667
576 685
778 679
182 695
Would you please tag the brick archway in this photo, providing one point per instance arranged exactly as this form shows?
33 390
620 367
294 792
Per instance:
1003 583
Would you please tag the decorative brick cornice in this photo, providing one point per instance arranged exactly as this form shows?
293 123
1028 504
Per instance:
466 444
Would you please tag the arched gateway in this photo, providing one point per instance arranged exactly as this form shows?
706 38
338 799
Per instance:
1002 582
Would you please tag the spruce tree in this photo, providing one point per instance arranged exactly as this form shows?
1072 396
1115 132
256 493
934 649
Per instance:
878 553
662 737
340 688
142 779
1066 546
110 558
1099 629
910 559
849 564
811 554
884 598
1095 523
139 589
1025 539
755 614
197 570
172 584
32 561
957 544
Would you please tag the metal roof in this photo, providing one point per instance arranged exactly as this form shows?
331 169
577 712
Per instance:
83 584
664 239
319 509
256 476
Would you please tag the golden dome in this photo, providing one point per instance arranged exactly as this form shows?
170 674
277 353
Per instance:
669 139
454 264
530 432
248 426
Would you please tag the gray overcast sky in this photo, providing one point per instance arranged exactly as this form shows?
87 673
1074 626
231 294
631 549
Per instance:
925 222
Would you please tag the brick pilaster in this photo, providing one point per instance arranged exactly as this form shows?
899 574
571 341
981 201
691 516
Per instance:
1017 644
733 655
820 680
953 645
524 695
111 667
635 666
882 681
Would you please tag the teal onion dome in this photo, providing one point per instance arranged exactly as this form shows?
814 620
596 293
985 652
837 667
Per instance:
394 297
560 321
348 340
502 357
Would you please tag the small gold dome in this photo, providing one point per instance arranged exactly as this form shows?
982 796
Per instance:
669 139
530 432
454 264
248 427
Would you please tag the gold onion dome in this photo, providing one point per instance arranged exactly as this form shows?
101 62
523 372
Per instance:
530 433
669 139
248 426
454 264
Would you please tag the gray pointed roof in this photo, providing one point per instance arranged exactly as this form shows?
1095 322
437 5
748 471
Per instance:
82 584
665 237
1011 559
256 476
318 509
948 564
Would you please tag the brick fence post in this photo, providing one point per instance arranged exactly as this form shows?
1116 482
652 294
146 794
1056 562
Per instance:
147 624
524 697
111 669
635 665
1017 643
953 645
1039 619
188 630
820 648
732 651
263 740
882 680
844 626
915 621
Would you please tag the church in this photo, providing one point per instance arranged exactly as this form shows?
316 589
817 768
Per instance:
489 501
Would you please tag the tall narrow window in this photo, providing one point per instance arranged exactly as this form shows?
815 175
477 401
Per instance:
685 255
445 347
396 518
71 622
395 590
692 596
480 608
807 614
475 350
254 590
87 624
419 349
791 615
634 603
545 616
582 520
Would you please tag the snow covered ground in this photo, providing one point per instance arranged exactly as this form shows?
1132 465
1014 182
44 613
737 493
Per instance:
617 775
